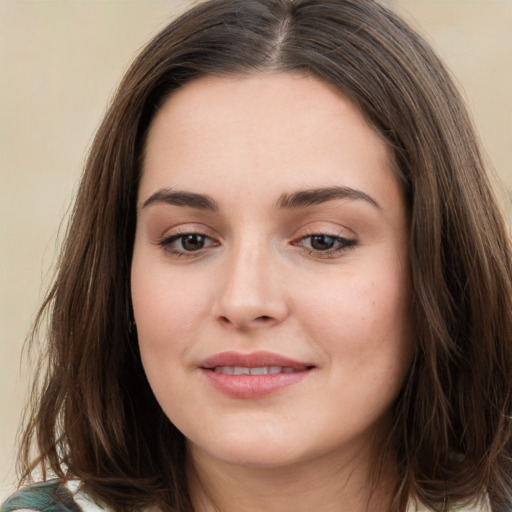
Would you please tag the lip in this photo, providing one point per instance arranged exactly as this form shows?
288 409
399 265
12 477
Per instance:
252 360
253 386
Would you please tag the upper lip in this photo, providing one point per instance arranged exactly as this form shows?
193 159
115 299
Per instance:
252 360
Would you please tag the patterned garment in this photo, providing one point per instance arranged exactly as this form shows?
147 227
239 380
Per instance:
54 496
50 496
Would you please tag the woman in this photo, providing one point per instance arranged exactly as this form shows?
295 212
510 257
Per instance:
286 282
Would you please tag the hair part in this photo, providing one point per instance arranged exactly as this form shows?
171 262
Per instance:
94 416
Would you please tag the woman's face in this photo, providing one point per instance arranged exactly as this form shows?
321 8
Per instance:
270 277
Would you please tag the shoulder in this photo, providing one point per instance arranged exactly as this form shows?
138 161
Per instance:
51 496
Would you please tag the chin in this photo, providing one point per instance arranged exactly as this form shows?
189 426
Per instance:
251 451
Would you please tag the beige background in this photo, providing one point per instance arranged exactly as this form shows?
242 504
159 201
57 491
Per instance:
59 64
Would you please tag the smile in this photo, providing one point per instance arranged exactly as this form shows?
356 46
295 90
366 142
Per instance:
262 370
253 375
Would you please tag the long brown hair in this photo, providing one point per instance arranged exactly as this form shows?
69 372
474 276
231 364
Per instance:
94 416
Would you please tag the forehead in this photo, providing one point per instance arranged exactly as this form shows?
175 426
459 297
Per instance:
262 132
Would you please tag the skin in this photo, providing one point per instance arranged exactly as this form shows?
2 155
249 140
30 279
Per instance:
258 280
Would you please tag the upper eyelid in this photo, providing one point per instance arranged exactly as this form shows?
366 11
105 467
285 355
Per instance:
335 232
317 227
326 226
187 229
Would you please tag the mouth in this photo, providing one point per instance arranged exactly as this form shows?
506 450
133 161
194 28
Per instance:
254 375
260 370
261 362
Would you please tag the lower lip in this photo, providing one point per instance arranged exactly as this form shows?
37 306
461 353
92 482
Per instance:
253 386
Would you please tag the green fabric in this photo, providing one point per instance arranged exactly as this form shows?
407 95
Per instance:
49 496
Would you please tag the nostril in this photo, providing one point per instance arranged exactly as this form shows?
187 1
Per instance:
246 320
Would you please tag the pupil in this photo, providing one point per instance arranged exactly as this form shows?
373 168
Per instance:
192 242
322 242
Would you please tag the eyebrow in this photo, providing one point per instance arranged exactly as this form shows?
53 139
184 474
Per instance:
299 199
312 197
181 198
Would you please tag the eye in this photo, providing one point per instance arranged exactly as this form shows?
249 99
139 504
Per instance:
186 243
192 241
322 244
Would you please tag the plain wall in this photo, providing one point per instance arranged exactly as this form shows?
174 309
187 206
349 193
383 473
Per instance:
59 64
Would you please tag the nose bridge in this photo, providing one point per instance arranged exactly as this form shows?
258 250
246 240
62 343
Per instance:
249 294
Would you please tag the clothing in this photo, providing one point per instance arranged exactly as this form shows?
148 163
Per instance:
53 496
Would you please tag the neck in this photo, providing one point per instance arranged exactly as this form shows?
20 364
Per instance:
335 484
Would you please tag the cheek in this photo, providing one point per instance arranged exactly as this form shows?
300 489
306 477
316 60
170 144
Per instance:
371 306
164 316
363 322
164 306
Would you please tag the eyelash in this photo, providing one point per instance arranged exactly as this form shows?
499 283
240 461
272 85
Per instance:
342 244
167 242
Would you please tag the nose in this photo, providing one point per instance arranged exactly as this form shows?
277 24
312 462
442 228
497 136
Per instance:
251 291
